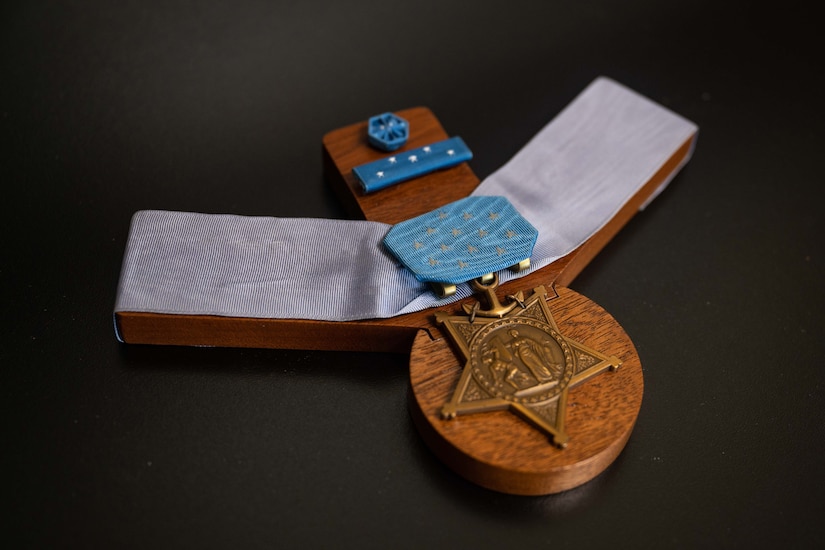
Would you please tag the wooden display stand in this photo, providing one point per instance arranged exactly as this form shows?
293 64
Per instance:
498 450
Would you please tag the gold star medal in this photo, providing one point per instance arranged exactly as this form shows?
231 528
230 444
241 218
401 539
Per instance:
516 359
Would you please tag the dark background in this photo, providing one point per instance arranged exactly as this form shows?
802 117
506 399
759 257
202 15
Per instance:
109 108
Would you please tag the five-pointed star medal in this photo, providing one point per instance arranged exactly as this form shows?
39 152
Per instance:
520 362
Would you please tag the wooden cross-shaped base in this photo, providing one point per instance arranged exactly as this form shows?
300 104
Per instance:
498 449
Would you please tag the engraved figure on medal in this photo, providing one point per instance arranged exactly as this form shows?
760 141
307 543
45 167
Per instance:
521 360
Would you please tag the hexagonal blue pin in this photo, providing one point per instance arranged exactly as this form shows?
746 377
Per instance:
387 131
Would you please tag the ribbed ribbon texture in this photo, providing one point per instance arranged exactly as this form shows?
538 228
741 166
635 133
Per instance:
568 181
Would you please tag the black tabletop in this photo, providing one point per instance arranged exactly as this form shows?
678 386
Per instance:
107 108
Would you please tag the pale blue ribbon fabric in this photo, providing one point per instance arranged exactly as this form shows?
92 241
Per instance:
568 181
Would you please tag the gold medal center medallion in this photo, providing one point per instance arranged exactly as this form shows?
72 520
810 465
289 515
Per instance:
521 360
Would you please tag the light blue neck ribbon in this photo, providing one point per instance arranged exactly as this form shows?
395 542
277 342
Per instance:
568 181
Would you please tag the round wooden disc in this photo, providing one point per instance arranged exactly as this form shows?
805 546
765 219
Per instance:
501 451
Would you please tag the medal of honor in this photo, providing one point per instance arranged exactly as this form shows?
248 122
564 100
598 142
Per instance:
518 360
528 388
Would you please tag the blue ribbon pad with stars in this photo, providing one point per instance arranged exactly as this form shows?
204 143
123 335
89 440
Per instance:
407 165
462 240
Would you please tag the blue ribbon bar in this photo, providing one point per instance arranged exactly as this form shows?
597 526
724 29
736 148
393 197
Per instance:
411 164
